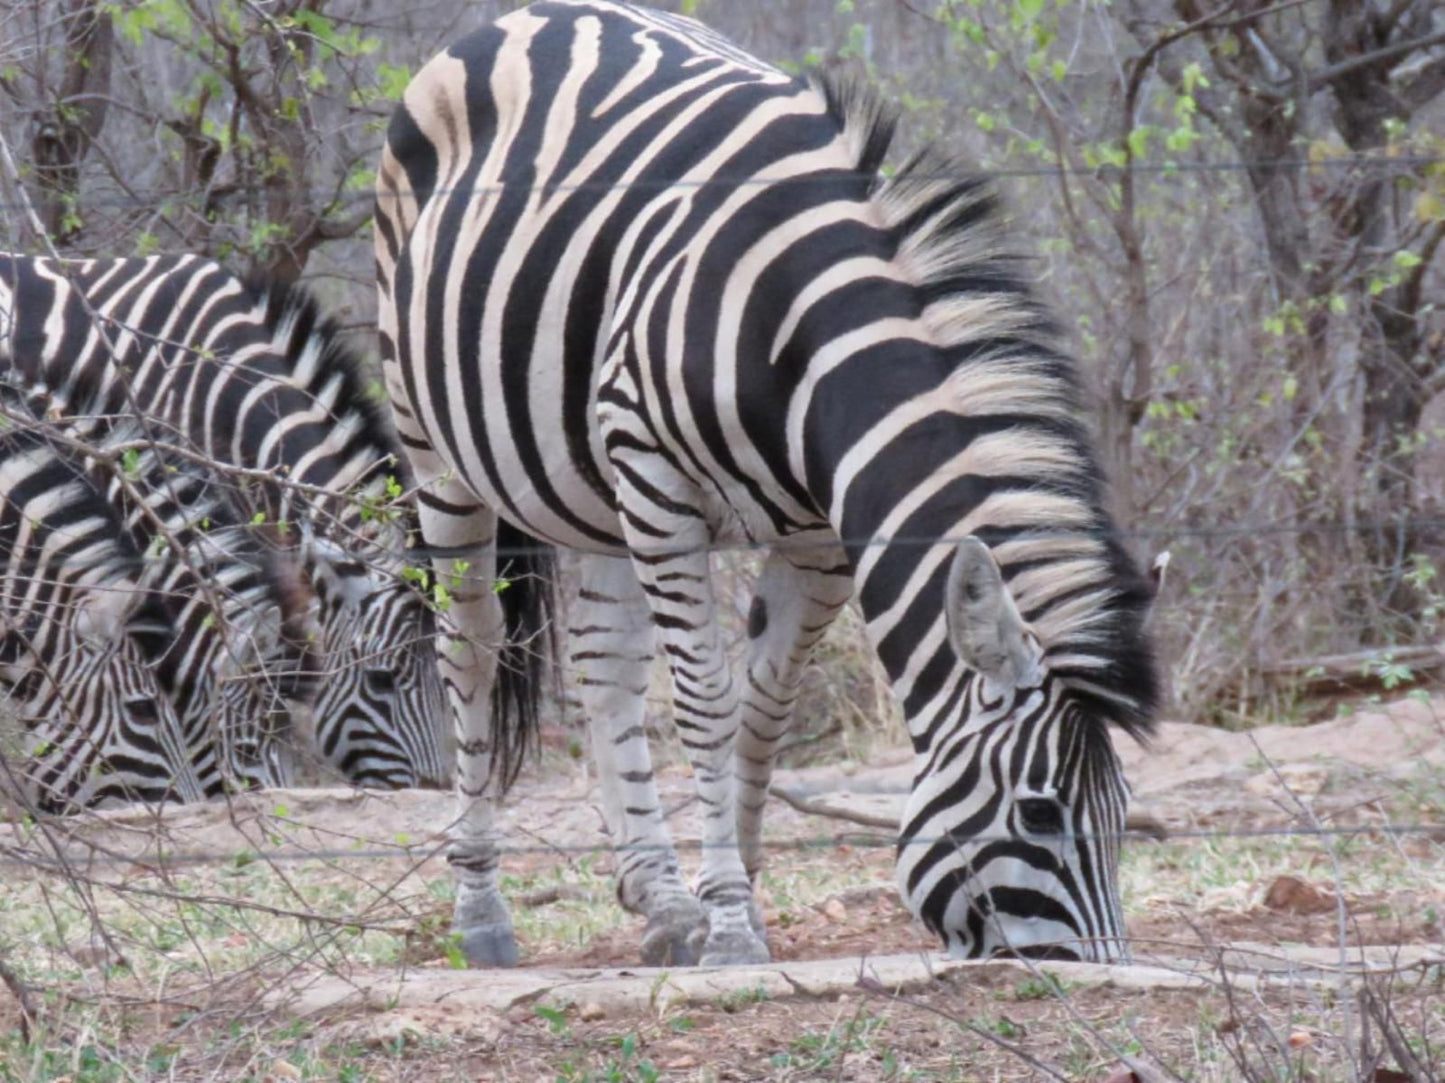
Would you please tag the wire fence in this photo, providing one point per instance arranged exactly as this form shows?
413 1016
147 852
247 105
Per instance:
18 858
329 198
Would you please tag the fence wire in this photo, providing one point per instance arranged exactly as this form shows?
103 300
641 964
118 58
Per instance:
18 858
330 199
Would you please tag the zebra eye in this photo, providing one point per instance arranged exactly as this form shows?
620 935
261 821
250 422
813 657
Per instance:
379 682
1041 816
143 709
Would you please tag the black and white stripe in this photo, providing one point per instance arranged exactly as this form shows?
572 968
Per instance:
252 377
641 294
231 647
98 727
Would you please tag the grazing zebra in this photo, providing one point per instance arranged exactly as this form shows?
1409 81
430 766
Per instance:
229 646
250 376
98 727
642 294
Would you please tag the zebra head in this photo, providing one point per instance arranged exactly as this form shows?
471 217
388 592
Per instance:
380 716
99 728
1011 834
258 677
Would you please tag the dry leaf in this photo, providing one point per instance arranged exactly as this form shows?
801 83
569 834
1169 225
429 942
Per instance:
1291 895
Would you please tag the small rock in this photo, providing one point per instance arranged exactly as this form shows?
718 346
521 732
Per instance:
1131 1070
407 1026
95 952
1291 895
284 1069
591 1012
835 911
1300 779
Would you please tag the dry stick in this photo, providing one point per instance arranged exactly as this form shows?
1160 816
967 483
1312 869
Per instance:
1237 1036
874 987
1390 1030
815 807
553 893
21 992
1341 912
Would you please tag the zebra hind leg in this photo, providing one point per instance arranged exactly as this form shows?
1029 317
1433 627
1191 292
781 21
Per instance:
705 704
610 649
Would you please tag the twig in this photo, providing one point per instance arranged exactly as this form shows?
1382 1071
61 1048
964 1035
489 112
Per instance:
21 992
815 807
546 896
874 987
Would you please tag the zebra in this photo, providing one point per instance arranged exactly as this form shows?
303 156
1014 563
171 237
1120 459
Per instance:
98 728
223 650
642 294
231 647
249 375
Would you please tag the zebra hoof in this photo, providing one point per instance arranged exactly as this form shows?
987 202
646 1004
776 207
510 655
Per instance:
490 945
735 949
672 939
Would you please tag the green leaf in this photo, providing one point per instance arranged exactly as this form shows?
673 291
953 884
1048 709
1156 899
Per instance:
392 80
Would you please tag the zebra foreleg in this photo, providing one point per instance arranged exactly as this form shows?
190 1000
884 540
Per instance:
796 599
610 648
470 630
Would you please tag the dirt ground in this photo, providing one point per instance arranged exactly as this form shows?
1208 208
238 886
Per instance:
303 935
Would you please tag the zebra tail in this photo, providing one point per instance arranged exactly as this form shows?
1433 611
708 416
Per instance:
526 586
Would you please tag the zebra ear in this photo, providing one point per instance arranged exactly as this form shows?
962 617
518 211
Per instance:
1157 572
337 575
103 611
983 620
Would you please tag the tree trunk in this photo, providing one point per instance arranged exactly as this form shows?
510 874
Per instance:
64 132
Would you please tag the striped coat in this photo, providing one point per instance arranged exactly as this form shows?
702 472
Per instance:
642 294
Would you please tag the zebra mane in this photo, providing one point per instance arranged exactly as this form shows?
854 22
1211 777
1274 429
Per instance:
1076 585
312 351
